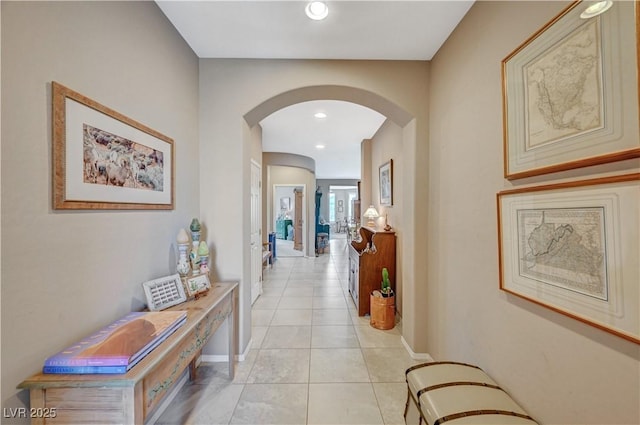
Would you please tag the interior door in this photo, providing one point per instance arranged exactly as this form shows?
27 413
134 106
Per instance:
297 234
256 231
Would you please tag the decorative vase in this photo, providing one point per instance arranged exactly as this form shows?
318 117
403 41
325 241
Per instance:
203 253
183 262
195 261
195 231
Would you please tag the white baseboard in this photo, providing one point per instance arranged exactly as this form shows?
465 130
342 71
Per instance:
416 356
220 358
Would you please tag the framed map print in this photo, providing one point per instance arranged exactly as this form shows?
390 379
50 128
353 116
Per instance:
570 93
574 248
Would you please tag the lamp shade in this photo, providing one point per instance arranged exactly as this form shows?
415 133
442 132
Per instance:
371 213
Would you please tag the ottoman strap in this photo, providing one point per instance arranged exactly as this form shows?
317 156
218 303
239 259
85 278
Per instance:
477 413
452 384
418 366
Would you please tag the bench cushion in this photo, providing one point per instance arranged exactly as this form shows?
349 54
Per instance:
458 393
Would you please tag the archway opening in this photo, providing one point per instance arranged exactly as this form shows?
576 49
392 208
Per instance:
407 128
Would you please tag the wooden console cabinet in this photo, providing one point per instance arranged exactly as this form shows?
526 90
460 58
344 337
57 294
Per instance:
133 397
375 250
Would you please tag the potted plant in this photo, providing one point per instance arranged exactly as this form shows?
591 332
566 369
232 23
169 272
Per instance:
382 304
385 288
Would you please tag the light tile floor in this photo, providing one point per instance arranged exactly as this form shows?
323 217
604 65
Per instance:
312 359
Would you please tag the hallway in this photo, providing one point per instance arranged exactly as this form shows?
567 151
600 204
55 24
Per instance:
312 359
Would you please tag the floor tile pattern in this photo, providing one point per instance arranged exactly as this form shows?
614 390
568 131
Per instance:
312 359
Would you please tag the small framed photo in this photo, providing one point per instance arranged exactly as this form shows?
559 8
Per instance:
385 174
574 248
196 285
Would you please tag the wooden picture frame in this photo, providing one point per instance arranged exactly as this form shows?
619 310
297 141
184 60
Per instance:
385 180
105 160
574 248
285 203
570 93
196 285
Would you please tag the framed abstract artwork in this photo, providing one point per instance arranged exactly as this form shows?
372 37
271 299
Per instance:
574 248
570 93
104 160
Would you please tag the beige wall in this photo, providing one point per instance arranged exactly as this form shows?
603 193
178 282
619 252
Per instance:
67 273
386 144
366 182
561 370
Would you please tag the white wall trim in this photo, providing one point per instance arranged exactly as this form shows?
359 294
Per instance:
414 355
220 358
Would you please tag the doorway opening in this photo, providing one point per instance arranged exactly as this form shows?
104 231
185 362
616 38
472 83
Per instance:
288 214
344 209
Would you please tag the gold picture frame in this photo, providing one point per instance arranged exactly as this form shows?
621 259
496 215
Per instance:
105 160
570 93
574 248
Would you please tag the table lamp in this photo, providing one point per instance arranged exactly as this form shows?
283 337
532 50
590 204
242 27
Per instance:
371 214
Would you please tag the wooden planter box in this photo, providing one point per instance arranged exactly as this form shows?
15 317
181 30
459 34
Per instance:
383 312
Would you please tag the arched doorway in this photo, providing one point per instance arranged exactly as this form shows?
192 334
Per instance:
407 122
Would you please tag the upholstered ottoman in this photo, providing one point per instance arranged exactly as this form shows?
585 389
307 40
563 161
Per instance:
458 393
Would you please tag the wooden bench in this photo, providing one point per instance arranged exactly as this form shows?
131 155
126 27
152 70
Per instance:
133 397
267 257
452 393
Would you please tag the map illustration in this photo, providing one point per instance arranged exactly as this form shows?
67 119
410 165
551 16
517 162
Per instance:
563 88
564 248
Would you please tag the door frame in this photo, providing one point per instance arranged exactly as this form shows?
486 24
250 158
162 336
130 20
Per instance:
254 269
275 202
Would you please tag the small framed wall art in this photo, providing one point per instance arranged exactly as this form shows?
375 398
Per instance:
196 285
570 92
385 176
574 248
104 160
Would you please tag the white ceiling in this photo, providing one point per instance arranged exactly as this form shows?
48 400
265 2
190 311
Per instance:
384 30
294 129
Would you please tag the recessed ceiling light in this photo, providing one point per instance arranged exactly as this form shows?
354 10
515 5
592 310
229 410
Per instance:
317 10
319 146
320 115
596 9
